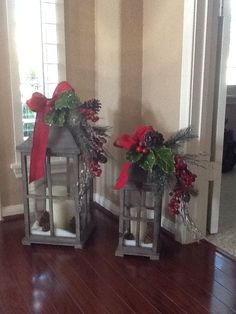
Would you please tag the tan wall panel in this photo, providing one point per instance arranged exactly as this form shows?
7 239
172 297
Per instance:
118 77
162 50
162 53
80 45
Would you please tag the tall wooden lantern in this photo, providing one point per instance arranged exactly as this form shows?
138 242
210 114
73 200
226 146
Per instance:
58 207
140 220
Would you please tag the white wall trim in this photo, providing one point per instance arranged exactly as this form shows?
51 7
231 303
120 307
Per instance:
168 224
12 210
106 203
187 62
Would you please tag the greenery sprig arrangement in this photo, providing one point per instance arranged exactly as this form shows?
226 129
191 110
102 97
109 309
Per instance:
148 149
79 117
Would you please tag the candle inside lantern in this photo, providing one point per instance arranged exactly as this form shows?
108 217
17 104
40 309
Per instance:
63 210
133 223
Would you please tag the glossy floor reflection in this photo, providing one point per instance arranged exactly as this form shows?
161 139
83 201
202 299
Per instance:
52 279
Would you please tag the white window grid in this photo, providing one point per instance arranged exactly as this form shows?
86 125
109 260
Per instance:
52 57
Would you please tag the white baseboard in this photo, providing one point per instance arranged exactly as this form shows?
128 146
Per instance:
168 224
106 203
12 210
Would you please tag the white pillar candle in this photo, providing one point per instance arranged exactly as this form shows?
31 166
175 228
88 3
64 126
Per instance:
133 223
63 210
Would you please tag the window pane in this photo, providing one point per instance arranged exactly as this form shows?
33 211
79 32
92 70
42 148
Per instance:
49 13
38 26
49 34
51 73
49 89
50 53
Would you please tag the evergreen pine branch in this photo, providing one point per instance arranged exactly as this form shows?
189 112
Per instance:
101 130
195 159
181 136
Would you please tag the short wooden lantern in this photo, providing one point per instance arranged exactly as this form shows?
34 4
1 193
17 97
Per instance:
58 207
140 220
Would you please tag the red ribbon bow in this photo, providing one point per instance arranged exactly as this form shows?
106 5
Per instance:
127 141
42 105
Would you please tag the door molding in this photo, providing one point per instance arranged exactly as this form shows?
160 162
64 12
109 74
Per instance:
197 97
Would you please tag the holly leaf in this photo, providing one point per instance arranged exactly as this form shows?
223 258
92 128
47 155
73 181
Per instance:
67 100
56 118
49 119
148 161
164 159
133 156
59 119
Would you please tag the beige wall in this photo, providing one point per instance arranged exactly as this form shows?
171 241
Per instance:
80 46
118 29
138 70
162 52
162 49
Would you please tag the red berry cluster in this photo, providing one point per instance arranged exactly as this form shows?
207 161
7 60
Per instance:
89 114
95 168
177 196
185 179
142 149
183 174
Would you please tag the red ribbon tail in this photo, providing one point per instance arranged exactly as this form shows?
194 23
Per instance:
39 147
123 178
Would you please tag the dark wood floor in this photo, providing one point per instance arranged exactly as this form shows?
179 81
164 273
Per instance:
48 279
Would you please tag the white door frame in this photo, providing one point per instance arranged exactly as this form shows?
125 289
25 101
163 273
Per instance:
201 18
219 113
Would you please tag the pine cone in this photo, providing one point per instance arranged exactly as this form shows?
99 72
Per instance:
72 225
93 104
153 139
102 158
44 221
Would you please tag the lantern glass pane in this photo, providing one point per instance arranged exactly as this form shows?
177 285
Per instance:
138 221
147 240
63 210
60 203
38 217
149 199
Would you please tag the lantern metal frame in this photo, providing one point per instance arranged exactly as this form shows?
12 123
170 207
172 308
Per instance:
125 219
60 144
